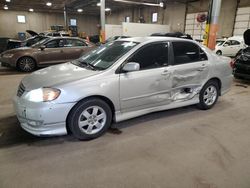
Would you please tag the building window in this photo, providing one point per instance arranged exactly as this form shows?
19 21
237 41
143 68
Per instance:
154 17
73 22
127 19
21 19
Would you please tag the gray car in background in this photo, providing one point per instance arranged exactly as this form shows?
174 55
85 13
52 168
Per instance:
118 81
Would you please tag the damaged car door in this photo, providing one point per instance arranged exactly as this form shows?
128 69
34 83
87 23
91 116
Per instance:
189 70
148 86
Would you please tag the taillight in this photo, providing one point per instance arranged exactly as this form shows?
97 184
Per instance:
232 63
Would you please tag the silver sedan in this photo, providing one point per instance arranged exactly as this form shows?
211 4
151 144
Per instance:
118 81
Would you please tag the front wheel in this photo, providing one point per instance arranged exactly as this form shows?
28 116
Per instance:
219 52
26 64
209 95
90 119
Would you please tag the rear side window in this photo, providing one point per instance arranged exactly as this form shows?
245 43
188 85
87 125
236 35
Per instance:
74 43
235 42
187 52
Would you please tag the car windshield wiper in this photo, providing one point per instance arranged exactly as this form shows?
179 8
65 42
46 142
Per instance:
93 67
86 64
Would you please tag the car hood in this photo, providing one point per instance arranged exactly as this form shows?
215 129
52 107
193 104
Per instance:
13 51
56 75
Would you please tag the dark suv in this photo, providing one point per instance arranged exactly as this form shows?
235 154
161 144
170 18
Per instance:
241 64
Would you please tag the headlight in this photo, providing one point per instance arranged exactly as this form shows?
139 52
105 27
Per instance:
43 94
8 55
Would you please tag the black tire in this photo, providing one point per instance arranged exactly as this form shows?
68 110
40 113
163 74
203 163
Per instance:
219 52
76 115
26 64
204 103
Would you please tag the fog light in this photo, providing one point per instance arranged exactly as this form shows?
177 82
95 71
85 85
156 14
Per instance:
35 123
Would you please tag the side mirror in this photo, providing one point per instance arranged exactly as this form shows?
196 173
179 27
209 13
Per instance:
42 47
225 45
130 67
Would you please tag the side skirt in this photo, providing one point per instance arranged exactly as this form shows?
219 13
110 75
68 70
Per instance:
128 115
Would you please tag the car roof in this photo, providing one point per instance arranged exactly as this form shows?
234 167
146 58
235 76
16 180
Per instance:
65 37
236 38
153 39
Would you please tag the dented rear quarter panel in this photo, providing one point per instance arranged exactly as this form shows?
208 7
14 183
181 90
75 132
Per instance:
221 69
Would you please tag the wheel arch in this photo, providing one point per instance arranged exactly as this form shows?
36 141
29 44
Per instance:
24 57
216 79
105 99
219 50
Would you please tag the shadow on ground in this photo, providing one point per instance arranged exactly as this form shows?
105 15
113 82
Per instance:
10 71
11 134
242 83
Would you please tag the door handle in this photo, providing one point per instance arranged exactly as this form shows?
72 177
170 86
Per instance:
165 72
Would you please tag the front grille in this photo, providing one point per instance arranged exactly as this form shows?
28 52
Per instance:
21 90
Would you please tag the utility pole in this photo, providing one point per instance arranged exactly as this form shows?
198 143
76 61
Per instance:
65 18
102 13
212 26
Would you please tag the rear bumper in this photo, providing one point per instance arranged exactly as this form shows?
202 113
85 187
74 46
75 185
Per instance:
247 76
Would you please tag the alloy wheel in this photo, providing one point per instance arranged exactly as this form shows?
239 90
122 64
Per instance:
26 64
210 95
92 120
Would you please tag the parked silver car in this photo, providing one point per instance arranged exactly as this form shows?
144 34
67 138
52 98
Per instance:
118 81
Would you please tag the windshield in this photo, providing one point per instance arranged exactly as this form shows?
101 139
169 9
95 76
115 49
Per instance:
40 42
106 55
219 43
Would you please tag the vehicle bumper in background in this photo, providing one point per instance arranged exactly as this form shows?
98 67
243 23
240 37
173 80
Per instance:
42 119
7 62
247 76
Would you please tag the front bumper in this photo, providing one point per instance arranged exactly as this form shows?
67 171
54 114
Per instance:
7 62
42 119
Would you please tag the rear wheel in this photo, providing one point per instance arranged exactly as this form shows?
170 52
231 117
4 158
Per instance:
89 119
209 95
26 64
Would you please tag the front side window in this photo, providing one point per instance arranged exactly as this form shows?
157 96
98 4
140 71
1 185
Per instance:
44 41
187 52
151 56
106 55
55 43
